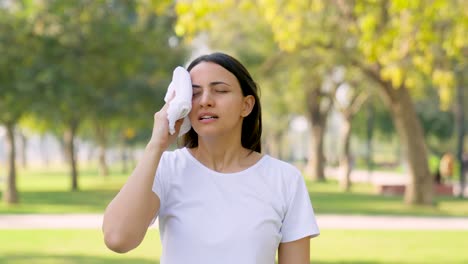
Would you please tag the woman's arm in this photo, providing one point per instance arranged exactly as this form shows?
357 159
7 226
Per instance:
129 214
295 252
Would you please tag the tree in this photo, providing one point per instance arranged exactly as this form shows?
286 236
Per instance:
398 38
18 68
392 42
397 44
96 51
460 111
282 74
349 99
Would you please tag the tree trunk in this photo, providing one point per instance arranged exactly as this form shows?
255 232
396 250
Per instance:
103 168
69 139
460 124
419 191
315 164
369 136
131 157
273 144
102 142
10 195
24 146
124 158
420 188
346 160
315 167
278 136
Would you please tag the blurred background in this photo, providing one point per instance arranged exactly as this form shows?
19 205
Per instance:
367 97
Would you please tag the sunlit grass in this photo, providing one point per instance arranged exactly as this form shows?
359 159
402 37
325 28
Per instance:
70 247
390 246
331 247
48 191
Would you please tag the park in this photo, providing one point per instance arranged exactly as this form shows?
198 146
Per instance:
368 99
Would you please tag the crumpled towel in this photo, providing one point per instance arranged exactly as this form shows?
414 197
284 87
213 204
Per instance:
181 104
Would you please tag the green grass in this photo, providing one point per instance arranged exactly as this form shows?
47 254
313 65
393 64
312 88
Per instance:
327 199
69 247
48 191
390 246
331 247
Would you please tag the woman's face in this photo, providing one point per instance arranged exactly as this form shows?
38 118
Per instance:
218 105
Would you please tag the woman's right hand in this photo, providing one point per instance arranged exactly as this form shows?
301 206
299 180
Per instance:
160 137
129 214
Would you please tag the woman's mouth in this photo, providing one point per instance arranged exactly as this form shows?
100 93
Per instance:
208 117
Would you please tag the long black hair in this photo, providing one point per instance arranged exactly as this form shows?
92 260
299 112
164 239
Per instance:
252 124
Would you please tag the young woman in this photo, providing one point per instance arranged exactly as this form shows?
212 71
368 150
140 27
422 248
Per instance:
218 199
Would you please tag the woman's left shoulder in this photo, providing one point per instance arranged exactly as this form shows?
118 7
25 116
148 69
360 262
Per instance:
280 165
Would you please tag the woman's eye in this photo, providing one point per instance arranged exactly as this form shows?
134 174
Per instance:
221 91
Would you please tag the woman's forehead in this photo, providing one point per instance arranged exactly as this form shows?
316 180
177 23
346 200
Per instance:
209 71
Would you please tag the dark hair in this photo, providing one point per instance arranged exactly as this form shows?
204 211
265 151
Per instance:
252 124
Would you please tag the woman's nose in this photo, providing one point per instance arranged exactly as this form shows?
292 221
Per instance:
206 99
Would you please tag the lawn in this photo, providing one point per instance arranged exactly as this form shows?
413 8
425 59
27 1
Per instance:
48 191
327 199
331 247
70 247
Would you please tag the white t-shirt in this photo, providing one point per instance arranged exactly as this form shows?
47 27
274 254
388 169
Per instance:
209 217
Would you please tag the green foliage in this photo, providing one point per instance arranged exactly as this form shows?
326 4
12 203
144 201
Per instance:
381 118
18 67
98 61
404 47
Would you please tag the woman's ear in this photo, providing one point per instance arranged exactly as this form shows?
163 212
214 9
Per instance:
249 102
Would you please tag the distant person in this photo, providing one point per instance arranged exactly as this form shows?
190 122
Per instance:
434 168
437 177
218 198
446 167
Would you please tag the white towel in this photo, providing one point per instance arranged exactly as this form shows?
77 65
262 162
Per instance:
181 104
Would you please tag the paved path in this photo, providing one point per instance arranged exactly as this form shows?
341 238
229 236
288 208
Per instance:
375 177
93 221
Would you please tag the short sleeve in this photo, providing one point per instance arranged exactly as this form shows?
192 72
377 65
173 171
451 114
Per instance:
299 220
158 184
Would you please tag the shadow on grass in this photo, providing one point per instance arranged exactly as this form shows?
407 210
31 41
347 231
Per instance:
78 259
69 259
91 198
350 203
343 262
91 201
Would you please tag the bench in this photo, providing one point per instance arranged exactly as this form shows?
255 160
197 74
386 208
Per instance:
399 189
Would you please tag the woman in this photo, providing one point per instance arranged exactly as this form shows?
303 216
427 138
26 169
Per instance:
218 199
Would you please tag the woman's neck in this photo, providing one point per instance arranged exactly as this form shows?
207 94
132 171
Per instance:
222 156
